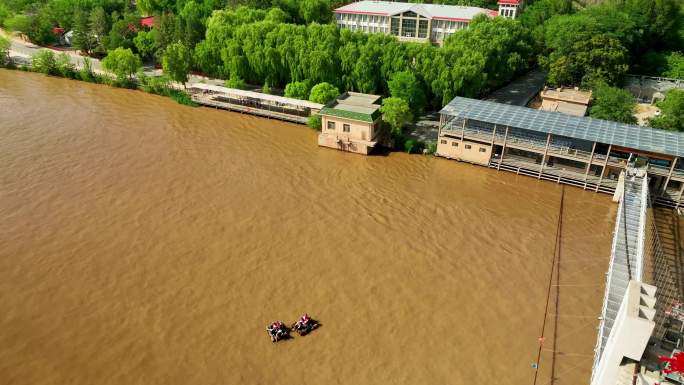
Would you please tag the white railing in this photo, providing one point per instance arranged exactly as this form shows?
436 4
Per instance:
645 199
598 349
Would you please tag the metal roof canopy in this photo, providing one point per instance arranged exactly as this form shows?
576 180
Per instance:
585 128
258 95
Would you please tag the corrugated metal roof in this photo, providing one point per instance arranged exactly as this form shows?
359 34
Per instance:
436 11
586 128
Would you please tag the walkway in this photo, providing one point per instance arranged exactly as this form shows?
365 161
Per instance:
521 90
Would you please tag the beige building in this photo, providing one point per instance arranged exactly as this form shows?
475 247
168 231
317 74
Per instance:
351 123
571 101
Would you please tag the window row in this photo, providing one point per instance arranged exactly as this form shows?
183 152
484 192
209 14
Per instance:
467 146
345 127
364 28
362 18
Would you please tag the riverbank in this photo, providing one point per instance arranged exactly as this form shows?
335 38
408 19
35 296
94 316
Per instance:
151 243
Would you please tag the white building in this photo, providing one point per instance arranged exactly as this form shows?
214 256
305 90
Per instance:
412 21
509 8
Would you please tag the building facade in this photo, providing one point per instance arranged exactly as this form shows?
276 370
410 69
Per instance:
414 22
351 123
509 8
580 151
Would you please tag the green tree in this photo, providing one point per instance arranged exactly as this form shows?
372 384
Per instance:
122 33
5 13
145 44
675 65
177 61
123 63
44 61
612 103
191 19
37 27
19 23
323 93
164 31
83 39
671 112
4 50
314 11
396 112
297 90
98 27
404 85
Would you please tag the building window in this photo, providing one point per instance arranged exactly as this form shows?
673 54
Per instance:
482 149
394 30
408 28
331 125
345 127
467 147
422 28
455 144
443 141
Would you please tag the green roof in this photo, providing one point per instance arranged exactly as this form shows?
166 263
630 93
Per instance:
368 118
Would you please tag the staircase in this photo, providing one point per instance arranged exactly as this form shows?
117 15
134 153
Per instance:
626 261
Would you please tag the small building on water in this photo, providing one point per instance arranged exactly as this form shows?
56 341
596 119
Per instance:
352 122
576 150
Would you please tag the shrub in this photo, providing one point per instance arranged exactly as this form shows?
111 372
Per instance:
86 72
323 93
65 67
431 148
413 146
235 82
44 61
297 90
314 122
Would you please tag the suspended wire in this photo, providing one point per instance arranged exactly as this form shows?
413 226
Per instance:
556 257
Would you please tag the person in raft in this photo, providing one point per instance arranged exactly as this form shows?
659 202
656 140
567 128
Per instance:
304 325
276 331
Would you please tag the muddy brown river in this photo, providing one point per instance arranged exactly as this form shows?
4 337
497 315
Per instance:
144 242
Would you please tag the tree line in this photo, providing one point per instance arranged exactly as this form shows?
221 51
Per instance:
292 44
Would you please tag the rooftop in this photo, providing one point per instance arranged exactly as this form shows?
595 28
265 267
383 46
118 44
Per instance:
572 95
353 105
431 11
585 128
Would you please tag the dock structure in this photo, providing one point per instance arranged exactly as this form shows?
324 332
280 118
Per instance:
641 317
254 103
580 151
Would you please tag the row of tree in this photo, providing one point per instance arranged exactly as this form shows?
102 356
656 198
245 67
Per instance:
289 44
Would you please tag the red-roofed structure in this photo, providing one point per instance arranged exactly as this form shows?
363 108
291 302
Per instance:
147 22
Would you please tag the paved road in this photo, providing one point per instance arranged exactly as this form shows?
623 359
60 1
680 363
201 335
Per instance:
25 50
